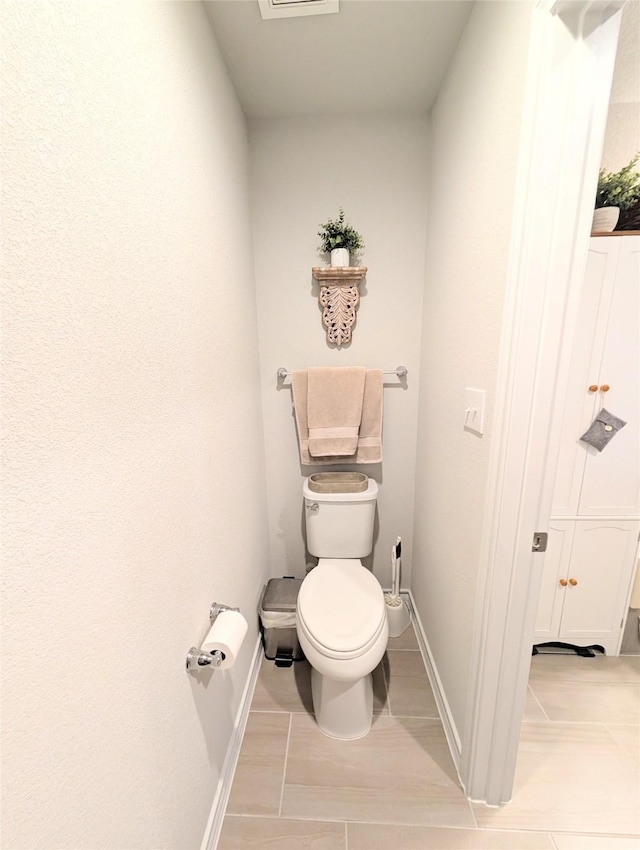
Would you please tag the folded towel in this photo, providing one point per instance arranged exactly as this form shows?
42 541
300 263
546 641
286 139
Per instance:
369 448
370 436
334 410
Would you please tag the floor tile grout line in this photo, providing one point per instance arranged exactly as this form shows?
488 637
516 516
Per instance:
304 711
624 748
538 702
413 717
494 828
450 828
286 758
272 711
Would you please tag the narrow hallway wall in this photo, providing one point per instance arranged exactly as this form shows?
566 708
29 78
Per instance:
475 132
133 452
302 171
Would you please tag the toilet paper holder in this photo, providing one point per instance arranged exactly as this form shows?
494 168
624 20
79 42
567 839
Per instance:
196 658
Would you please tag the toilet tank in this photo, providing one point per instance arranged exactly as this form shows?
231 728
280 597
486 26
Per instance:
340 525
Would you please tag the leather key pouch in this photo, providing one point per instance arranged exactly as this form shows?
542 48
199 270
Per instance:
602 430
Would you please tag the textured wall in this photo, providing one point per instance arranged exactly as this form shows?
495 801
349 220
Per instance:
473 152
622 138
302 170
134 469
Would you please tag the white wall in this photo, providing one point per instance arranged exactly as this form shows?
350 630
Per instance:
475 127
302 170
134 467
622 137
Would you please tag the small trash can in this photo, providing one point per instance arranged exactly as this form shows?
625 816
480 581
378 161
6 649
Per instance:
278 621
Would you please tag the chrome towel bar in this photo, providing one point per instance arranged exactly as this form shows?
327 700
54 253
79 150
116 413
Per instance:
399 372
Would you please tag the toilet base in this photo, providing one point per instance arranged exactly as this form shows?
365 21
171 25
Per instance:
343 710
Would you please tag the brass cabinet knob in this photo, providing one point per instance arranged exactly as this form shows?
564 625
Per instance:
605 388
593 388
563 582
573 582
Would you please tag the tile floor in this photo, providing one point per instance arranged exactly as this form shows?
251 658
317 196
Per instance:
577 784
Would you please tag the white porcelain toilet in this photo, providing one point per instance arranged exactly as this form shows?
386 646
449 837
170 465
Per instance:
341 614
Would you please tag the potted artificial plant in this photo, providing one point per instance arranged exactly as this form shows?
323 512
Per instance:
617 191
339 240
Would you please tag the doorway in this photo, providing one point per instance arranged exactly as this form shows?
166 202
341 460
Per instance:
571 65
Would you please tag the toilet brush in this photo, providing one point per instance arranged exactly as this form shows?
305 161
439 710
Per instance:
398 614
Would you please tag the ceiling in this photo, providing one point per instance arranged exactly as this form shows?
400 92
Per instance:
373 56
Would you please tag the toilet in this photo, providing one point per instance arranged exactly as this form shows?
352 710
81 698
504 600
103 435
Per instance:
341 615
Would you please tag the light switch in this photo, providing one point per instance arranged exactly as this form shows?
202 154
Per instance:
474 410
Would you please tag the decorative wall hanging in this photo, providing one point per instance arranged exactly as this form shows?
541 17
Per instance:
339 298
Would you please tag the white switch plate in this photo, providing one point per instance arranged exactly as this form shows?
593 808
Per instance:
474 410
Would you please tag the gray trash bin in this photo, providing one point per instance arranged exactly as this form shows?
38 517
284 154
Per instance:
278 621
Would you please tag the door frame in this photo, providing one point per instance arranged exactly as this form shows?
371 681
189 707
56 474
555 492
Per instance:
570 69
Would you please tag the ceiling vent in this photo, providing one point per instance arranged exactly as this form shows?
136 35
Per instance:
296 8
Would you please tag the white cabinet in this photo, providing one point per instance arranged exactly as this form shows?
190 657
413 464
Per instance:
606 352
593 533
586 582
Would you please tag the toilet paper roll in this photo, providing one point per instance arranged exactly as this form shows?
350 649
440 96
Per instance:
226 635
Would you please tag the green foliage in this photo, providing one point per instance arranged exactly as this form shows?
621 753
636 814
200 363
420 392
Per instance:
337 233
620 188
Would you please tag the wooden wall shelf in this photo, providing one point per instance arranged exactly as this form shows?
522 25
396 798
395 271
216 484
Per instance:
339 274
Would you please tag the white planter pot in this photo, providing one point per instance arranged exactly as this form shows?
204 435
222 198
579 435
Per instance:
339 257
605 219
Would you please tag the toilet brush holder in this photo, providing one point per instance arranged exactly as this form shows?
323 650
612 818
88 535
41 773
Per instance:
398 615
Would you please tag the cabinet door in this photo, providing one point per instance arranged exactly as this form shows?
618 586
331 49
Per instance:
555 569
611 480
600 569
580 404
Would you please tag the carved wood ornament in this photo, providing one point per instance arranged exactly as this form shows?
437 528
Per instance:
339 298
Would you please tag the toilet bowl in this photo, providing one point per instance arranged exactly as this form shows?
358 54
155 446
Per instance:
341 613
343 631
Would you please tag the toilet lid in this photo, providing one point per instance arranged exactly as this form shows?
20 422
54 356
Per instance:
341 605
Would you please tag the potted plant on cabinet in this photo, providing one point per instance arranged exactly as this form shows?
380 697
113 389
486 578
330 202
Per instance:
618 190
339 240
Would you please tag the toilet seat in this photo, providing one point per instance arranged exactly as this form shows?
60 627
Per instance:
341 609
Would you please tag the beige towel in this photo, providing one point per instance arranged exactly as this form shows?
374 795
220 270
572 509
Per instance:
334 410
370 435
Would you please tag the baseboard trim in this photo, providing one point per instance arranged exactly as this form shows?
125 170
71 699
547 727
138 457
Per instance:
218 808
450 730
